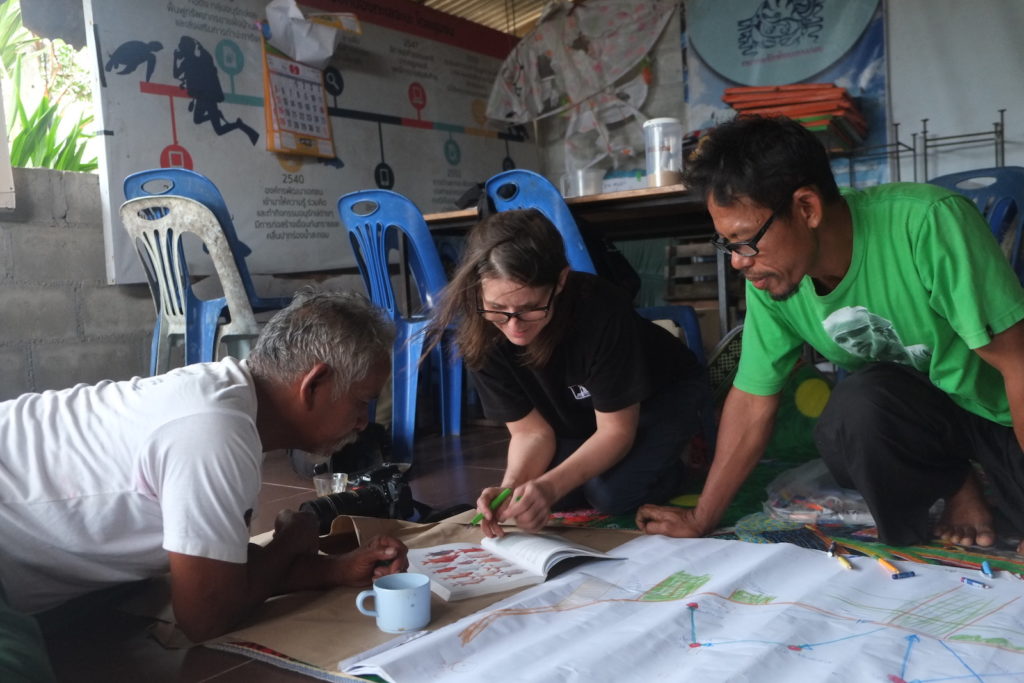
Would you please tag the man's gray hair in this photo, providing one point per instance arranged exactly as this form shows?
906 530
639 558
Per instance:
342 329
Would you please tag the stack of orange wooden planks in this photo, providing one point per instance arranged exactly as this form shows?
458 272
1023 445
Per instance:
824 108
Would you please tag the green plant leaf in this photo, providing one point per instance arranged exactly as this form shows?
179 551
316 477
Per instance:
40 138
14 37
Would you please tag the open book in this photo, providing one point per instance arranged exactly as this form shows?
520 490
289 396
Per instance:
466 570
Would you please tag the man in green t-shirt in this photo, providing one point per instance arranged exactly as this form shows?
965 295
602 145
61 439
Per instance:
900 284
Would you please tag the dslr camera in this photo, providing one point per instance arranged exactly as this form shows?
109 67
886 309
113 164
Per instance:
381 492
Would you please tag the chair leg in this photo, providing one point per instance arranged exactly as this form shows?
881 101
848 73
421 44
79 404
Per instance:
155 349
405 379
236 347
451 389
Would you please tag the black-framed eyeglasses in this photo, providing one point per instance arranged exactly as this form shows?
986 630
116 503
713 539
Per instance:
529 316
747 247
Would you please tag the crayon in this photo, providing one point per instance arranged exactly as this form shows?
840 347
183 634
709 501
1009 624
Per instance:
495 504
889 567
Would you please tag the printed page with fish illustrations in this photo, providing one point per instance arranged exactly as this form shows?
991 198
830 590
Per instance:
464 570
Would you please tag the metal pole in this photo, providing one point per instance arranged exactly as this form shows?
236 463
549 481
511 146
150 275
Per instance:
924 145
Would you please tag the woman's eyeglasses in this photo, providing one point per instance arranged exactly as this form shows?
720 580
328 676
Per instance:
528 316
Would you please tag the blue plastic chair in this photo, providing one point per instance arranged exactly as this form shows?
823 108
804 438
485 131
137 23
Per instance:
999 195
200 341
685 317
522 189
375 220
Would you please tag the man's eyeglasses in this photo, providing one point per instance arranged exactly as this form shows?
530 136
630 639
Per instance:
529 316
747 247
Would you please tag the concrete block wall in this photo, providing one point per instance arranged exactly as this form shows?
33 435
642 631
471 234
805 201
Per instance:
60 322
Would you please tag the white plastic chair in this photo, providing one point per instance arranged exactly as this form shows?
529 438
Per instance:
157 225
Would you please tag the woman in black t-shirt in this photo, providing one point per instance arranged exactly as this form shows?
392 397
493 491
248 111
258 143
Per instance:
599 402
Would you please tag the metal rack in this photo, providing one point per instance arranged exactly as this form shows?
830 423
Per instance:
891 151
923 144
995 137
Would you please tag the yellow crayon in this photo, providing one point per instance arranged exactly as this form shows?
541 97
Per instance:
889 567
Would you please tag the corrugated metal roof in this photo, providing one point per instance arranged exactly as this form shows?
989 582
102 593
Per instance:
510 16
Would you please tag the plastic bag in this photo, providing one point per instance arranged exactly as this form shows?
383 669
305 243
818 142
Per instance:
310 40
809 494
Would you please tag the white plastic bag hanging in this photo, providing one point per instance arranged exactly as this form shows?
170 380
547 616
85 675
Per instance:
606 126
578 60
310 40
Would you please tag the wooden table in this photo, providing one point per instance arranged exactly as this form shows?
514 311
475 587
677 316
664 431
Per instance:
669 211
647 212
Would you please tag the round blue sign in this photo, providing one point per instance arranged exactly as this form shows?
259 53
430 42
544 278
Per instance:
774 42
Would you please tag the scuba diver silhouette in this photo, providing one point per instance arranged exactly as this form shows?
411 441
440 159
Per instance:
194 68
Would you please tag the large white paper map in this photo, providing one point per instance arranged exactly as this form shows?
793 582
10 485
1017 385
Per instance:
711 610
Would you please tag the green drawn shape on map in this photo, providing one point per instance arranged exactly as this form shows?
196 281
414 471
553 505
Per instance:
995 642
675 587
938 615
749 598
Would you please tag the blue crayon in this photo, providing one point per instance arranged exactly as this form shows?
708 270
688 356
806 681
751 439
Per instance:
903 575
986 569
972 582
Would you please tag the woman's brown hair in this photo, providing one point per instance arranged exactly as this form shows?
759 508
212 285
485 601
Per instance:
519 245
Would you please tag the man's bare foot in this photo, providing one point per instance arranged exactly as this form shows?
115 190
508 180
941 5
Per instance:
967 519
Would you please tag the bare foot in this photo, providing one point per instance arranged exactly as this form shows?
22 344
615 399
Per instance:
967 519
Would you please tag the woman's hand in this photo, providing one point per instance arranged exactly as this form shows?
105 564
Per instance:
531 505
489 524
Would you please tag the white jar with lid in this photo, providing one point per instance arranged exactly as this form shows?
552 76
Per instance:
663 147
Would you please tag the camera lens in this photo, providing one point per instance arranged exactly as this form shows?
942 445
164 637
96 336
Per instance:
368 501
379 493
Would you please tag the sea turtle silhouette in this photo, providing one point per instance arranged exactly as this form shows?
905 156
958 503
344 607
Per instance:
129 55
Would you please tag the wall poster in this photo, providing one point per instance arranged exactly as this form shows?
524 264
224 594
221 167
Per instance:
180 83
730 43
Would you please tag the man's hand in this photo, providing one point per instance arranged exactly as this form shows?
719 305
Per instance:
669 521
381 556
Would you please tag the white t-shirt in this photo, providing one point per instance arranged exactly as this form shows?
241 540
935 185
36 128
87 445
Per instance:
98 482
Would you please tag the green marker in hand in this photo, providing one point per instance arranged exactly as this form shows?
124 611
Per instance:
495 504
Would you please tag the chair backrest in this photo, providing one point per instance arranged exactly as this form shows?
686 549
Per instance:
685 317
185 183
999 195
375 220
522 189
156 225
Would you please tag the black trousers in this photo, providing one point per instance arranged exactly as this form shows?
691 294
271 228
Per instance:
889 433
652 471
